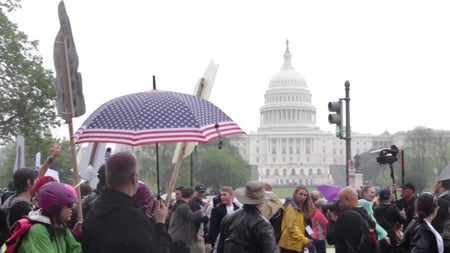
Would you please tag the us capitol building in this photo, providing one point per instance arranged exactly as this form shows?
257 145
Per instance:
288 147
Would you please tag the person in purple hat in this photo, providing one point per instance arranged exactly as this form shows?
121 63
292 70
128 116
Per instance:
49 232
144 198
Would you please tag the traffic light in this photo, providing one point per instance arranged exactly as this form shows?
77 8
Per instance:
336 118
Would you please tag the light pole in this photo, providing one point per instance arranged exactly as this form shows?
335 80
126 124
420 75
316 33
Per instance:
336 118
348 132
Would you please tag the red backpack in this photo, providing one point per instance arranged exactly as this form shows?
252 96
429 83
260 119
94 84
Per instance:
18 230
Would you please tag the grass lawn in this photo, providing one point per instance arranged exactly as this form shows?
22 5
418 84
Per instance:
285 192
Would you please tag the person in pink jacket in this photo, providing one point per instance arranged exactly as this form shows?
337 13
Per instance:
319 226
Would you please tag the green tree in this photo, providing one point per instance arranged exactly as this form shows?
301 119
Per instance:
27 105
219 167
62 164
211 166
441 151
420 163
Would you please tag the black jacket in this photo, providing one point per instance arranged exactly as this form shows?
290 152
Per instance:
347 229
246 231
217 214
442 213
197 204
408 207
389 217
418 238
115 224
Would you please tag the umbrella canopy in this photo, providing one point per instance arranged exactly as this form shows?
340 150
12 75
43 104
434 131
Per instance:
156 117
329 191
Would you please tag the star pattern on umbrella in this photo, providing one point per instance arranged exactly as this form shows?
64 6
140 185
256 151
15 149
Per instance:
156 116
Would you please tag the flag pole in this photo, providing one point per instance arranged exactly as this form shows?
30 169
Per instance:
62 42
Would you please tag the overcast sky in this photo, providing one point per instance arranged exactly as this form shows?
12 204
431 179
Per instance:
396 54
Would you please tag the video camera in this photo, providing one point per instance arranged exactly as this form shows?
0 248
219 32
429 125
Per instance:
388 155
333 207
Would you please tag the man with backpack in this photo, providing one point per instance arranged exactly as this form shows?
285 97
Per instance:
271 207
441 221
273 211
19 204
352 230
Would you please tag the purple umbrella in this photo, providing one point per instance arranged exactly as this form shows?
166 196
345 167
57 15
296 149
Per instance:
156 117
329 191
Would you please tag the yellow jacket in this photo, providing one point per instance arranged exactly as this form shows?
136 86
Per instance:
293 229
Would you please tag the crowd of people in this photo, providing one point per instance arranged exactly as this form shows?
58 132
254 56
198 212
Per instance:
123 215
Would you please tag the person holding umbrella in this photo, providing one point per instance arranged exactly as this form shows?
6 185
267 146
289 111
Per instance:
115 224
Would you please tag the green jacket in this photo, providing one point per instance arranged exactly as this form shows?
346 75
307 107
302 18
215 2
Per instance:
381 232
37 240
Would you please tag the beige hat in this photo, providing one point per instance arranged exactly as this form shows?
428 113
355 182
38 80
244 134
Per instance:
445 174
253 193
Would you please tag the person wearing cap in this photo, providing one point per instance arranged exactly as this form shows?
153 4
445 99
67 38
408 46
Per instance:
200 224
441 221
246 230
390 218
407 203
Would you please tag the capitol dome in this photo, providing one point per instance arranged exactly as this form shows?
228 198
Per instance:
287 101
287 76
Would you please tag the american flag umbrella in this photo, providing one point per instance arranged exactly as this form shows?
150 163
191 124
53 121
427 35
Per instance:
156 117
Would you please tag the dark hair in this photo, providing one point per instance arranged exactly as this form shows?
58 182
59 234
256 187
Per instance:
85 189
384 194
187 192
425 205
445 184
21 177
101 177
120 168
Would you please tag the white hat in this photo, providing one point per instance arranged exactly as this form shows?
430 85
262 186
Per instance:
445 174
253 193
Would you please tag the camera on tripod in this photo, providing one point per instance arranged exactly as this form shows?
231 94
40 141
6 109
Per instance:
388 155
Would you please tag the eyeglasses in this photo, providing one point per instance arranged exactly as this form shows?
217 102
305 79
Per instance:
303 194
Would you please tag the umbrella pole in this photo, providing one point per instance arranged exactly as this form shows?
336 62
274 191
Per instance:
176 169
158 190
192 170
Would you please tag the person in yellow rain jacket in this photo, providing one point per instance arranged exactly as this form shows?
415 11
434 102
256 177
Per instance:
293 238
